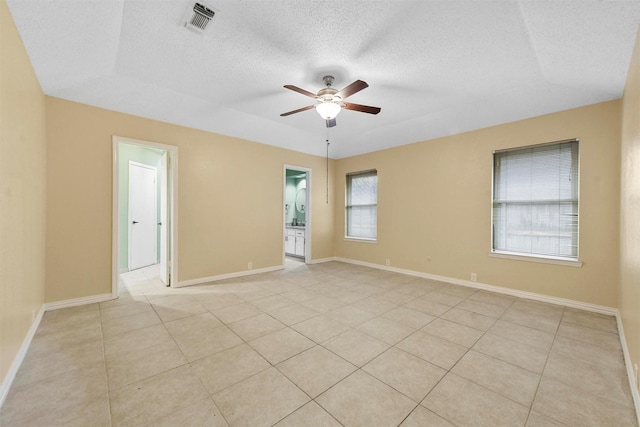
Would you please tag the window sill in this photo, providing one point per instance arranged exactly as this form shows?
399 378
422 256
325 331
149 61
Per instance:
360 239
533 258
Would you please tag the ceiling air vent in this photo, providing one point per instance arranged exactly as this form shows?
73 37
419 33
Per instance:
199 18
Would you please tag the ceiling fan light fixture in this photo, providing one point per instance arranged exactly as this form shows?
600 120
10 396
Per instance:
328 110
329 102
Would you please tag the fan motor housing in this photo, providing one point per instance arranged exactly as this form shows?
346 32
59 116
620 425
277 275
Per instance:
327 92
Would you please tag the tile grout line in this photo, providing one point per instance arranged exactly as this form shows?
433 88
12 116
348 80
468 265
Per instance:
104 358
271 365
535 395
393 288
190 362
448 371
311 399
152 376
358 368
492 357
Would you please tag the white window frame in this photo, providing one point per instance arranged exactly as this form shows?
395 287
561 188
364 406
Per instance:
348 206
533 257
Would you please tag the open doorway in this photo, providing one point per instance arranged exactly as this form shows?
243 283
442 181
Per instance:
297 214
144 215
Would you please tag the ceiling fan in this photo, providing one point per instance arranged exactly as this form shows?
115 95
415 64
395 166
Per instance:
331 101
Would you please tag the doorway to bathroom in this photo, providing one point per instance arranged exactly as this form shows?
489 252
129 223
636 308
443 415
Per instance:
297 214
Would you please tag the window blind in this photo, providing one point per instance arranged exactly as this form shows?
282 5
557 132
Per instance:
362 205
535 200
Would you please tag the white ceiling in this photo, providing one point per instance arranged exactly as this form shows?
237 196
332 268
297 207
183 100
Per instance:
435 68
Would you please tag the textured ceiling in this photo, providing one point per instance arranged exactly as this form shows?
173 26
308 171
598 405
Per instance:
434 67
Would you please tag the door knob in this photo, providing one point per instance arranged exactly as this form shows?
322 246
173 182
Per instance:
134 222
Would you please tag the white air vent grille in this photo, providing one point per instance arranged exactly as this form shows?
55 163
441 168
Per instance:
200 17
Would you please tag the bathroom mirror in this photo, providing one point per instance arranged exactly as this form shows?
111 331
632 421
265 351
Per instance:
301 200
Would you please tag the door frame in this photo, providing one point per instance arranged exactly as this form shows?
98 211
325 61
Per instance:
307 228
164 219
155 205
172 208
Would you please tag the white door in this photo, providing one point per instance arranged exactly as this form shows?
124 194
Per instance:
143 237
163 224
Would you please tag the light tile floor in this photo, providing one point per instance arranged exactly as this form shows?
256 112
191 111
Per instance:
322 345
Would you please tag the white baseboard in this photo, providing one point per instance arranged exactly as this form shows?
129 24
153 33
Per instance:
611 311
77 301
321 260
630 371
19 358
201 280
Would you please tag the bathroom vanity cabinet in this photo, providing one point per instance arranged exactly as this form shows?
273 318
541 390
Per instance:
294 241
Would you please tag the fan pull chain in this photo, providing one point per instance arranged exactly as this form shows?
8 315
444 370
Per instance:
327 166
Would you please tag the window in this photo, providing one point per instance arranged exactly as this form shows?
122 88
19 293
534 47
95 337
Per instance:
535 200
362 205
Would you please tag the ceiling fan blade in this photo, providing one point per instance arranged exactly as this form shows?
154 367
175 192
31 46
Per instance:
331 123
288 113
362 108
302 91
354 87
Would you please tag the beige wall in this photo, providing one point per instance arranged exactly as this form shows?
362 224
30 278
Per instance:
434 200
630 208
22 185
230 199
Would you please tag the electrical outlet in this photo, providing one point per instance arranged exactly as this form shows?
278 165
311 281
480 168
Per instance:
388 261
474 277
250 266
